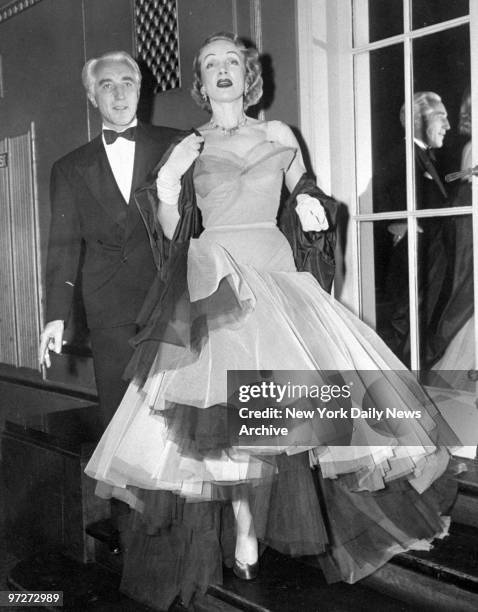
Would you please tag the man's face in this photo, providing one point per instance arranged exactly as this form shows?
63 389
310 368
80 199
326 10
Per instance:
115 93
436 126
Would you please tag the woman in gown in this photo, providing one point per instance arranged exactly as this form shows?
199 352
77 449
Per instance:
230 298
455 336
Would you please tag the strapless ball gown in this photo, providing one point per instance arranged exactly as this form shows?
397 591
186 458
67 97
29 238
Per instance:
169 453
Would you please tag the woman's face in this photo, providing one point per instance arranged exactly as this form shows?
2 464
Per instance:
222 71
464 125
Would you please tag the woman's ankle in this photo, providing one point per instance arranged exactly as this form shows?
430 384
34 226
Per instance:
247 550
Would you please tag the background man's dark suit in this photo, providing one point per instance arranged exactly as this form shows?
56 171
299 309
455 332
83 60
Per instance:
433 247
118 267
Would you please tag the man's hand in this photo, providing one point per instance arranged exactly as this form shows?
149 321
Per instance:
399 230
51 339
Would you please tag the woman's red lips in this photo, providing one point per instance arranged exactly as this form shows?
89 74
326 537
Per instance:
224 83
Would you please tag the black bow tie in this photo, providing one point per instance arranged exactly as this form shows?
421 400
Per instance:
111 135
431 154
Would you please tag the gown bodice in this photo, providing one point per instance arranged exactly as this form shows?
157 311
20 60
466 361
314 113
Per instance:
233 189
239 196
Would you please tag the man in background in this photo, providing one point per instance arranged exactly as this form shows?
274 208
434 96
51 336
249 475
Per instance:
430 127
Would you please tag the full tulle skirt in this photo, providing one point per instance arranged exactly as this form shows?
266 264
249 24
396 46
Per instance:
173 452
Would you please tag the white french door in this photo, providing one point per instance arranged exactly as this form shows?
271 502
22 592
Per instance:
409 250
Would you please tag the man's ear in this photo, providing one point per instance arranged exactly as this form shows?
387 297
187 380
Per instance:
91 98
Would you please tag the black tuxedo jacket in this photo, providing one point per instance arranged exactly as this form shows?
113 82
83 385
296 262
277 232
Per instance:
431 192
98 238
390 186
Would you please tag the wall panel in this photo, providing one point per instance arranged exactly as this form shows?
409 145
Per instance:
8 345
24 250
19 299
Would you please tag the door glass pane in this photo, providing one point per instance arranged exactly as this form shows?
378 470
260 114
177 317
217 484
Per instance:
440 116
384 266
429 12
441 69
376 20
380 134
446 299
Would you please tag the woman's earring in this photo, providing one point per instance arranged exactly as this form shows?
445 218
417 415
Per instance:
203 95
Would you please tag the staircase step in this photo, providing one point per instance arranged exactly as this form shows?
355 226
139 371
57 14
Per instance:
287 585
102 531
453 560
107 545
445 578
283 586
85 586
440 580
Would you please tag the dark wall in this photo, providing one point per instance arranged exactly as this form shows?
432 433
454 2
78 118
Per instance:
198 19
43 49
280 47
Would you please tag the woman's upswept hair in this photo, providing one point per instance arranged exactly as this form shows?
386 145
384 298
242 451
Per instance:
253 84
88 73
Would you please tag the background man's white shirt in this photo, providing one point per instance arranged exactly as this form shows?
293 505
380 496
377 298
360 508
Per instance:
121 159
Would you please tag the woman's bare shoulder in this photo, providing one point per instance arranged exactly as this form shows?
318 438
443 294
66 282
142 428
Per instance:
279 131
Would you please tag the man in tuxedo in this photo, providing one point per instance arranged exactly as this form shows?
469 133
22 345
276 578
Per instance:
93 210
430 127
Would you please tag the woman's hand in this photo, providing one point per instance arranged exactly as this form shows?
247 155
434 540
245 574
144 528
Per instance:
182 156
168 183
311 214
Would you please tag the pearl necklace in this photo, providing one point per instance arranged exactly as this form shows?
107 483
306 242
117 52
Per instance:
229 131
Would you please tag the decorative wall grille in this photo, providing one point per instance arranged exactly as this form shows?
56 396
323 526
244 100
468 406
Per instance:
19 253
15 8
157 40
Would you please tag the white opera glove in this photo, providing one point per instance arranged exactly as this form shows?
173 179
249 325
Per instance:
311 214
168 187
168 183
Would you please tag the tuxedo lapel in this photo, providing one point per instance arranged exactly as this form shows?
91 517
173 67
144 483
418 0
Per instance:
102 184
143 162
142 154
428 166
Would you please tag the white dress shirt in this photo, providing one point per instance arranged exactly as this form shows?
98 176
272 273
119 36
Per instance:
421 144
121 158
